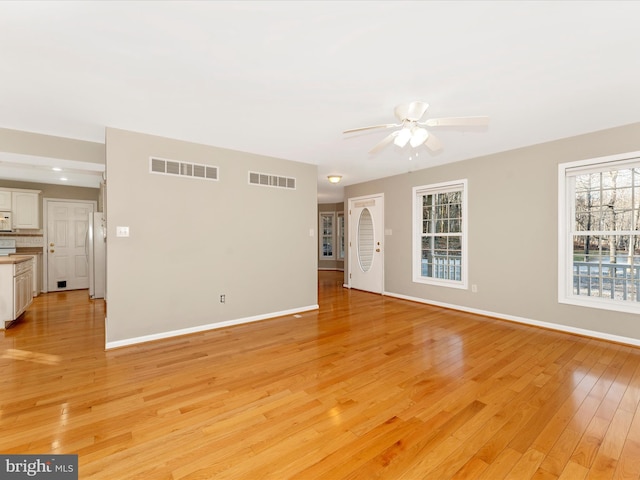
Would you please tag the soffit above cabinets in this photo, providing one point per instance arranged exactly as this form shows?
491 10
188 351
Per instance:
31 168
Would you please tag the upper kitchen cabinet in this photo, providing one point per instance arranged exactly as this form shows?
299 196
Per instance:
26 209
5 200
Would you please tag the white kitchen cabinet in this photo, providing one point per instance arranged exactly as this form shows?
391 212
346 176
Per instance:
16 288
5 200
36 265
26 208
23 294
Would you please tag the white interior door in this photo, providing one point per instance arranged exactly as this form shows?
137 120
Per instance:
67 224
366 252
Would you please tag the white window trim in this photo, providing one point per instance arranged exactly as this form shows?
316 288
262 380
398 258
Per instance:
565 251
417 233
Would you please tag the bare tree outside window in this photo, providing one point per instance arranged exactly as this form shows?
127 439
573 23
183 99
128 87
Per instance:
439 234
605 236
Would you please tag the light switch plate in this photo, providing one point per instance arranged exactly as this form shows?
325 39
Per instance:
122 231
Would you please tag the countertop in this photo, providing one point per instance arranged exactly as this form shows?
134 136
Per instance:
4 260
27 250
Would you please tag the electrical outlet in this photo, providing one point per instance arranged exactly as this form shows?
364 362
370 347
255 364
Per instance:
474 288
223 298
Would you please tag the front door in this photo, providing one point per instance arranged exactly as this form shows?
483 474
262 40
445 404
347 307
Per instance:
366 252
67 225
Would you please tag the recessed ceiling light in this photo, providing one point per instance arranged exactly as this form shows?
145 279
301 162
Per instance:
56 169
64 179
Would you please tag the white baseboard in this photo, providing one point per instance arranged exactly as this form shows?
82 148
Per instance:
526 321
203 328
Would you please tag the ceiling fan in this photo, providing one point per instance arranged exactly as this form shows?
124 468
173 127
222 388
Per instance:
412 130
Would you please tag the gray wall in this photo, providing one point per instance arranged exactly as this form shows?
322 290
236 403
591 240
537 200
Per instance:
193 240
513 232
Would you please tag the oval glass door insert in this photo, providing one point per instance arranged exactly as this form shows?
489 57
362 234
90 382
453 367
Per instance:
365 240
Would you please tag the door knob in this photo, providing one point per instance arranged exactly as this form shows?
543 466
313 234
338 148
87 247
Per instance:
377 249
51 244
52 250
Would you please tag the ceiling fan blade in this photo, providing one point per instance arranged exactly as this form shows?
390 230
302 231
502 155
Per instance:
360 129
416 110
433 143
383 143
456 121
411 111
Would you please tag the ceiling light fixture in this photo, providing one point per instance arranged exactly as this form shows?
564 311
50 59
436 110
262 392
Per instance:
56 169
402 138
414 136
334 178
418 136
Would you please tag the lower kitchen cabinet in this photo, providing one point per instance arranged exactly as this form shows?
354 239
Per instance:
16 287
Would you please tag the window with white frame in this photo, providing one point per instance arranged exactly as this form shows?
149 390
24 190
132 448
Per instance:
340 235
327 246
440 234
599 233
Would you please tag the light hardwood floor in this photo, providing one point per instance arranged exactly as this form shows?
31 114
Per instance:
367 387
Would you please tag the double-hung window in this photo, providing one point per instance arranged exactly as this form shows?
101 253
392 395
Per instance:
440 234
599 233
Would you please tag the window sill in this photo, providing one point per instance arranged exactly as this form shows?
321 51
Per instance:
602 304
441 283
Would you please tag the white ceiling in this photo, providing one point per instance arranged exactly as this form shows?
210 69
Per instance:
284 79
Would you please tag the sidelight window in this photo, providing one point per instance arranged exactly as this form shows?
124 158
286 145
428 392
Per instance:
340 236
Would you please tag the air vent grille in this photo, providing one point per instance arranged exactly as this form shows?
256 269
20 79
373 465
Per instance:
268 180
183 169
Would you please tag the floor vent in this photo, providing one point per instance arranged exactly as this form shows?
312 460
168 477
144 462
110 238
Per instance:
183 169
268 180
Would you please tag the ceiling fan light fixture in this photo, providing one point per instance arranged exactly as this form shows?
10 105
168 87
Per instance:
402 138
418 136
334 178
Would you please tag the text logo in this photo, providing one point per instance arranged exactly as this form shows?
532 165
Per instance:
39 467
